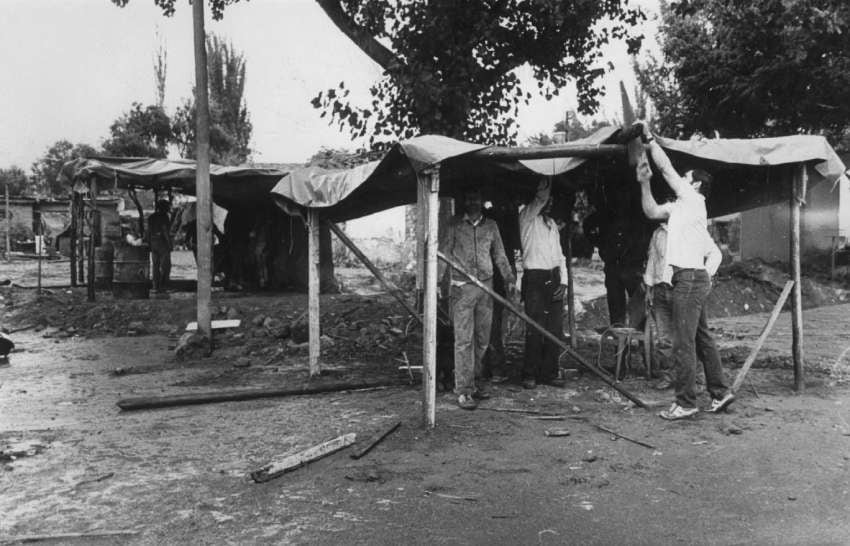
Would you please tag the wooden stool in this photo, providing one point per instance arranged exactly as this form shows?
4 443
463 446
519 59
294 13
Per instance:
624 336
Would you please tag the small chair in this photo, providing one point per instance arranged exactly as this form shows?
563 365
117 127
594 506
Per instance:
624 336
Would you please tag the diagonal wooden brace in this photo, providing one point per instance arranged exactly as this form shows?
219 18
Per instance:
546 333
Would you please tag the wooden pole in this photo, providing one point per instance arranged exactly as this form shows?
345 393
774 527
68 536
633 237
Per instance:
202 176
40 244
421 220
764 333
388 286
546 333
429 337
313 290
73 242
91 223
546 152
8 218
571 296
81 248
798 195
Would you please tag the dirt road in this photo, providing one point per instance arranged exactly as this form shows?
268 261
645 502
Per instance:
773 471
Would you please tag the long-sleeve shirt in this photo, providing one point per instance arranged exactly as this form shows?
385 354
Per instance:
541 242
659 271
476 246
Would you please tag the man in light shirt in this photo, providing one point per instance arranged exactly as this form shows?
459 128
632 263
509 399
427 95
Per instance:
687 241
475 243
543 287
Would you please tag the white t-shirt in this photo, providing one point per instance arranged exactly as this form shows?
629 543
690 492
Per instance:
687 230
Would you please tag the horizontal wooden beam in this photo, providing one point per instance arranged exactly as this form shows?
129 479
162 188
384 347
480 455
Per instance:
548 152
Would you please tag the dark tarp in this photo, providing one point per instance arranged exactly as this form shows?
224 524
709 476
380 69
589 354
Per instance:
748 173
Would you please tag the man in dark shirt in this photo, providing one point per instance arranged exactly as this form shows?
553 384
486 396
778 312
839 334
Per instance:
159 240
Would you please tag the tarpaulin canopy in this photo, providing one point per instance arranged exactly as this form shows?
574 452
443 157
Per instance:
229 184
748 173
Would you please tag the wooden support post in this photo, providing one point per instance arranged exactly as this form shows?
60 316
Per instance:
313 290
388 286
203 192
421 221
40 244
571 296
91 223
798 196
8 219
73 241
429 337
81 245
537 326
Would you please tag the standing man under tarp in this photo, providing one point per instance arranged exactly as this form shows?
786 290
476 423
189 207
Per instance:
474 242
544 286
687 247
159 240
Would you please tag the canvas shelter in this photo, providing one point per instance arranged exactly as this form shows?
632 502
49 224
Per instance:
748 173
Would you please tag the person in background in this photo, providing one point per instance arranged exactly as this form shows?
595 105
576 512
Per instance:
159 240
692 258
543 287
474 242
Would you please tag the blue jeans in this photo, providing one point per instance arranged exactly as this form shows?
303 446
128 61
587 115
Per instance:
692 339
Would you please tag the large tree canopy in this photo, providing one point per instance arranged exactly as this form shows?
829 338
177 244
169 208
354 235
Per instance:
450 66
763 67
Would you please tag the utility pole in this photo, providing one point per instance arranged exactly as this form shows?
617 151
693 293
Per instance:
202 176
8 227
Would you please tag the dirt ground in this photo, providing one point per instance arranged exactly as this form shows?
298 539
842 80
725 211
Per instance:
774 470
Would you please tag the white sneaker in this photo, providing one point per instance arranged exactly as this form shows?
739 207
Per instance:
718 405
676 412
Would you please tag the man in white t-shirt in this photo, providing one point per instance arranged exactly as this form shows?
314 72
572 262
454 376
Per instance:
687 241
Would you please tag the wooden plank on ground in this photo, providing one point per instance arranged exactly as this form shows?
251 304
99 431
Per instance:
238 395
216 324
292 462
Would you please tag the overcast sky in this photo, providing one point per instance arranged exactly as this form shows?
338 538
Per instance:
71 67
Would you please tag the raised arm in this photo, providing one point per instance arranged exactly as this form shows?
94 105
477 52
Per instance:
662 162
650 206
544 190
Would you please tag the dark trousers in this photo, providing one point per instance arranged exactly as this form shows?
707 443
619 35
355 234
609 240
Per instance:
541 355
620 281
662 315
161 268
692 339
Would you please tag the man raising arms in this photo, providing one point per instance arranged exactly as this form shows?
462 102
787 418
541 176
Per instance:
688 244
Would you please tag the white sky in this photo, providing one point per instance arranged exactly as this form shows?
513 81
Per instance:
69 68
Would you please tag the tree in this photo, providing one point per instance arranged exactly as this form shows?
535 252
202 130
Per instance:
450 67
759 68
230 127
141 132
17 181
46 169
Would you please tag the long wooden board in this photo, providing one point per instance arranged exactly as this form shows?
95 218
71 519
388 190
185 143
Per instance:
292 462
